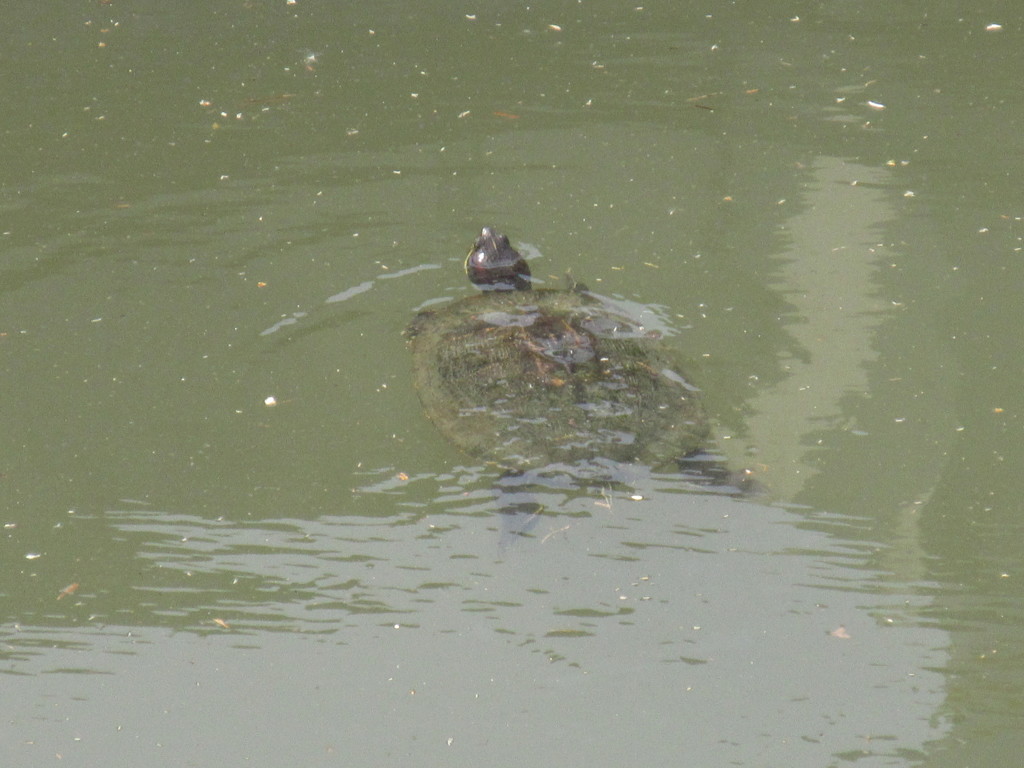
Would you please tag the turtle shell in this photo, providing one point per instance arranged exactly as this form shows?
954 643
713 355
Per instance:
525 379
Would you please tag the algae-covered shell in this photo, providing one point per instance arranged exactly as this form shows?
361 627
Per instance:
523 378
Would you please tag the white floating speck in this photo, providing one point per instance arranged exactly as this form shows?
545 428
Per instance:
993 27
270 401
876 105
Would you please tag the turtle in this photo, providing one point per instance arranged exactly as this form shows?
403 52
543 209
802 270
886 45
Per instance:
523 377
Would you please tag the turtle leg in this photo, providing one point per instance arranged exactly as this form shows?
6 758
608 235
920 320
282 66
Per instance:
710 471
518 507
517 520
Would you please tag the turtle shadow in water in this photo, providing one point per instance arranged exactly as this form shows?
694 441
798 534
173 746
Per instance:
518 493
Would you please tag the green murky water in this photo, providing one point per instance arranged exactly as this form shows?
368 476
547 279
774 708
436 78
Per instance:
202 208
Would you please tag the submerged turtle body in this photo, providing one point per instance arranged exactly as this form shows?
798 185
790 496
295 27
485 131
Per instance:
527 378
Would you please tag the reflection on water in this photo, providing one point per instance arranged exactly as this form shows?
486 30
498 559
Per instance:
673 595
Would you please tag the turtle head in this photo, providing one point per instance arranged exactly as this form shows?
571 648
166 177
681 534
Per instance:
494 265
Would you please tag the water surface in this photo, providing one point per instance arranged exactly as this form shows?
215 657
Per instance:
206 207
